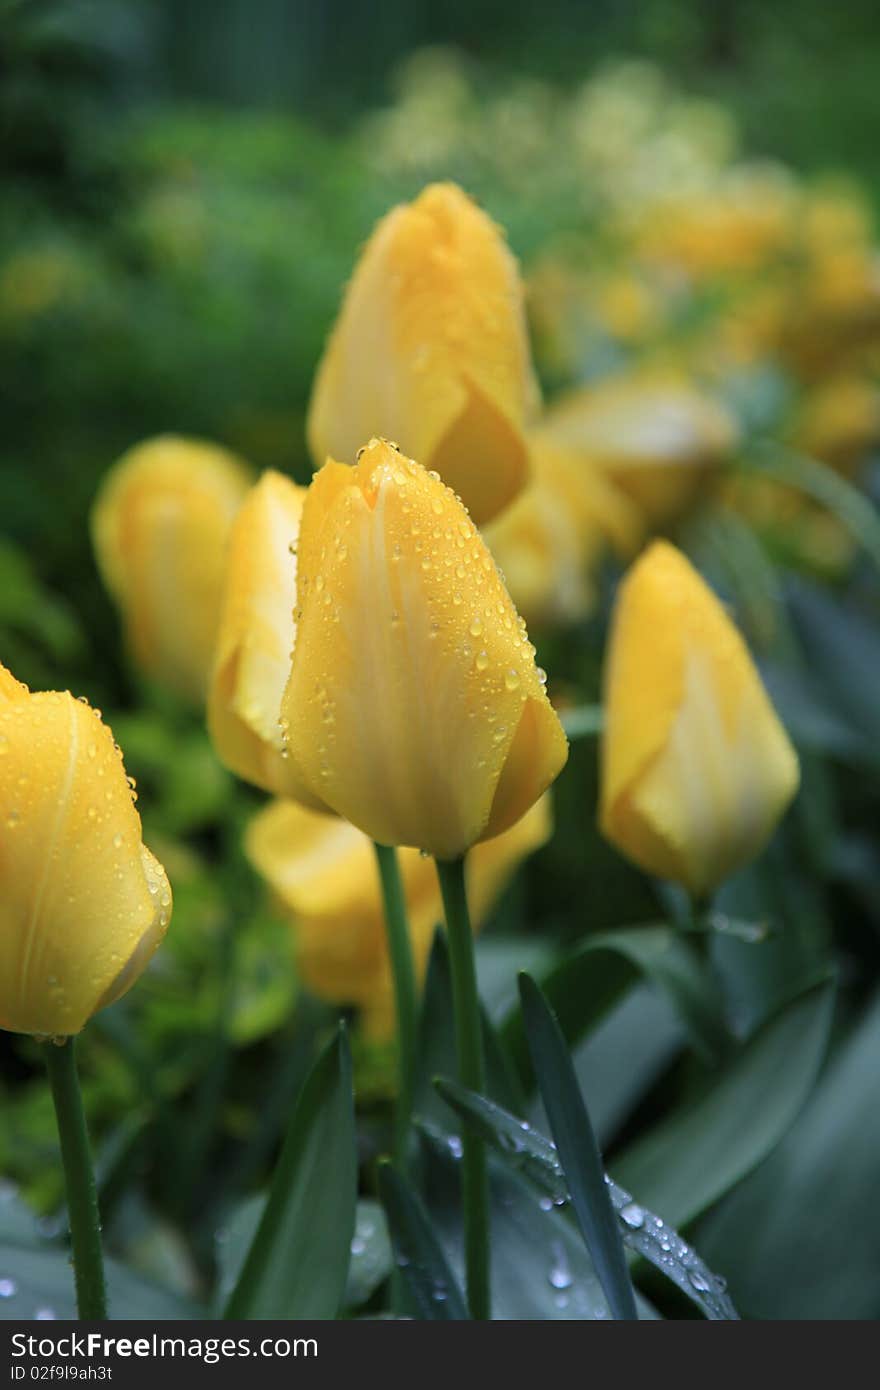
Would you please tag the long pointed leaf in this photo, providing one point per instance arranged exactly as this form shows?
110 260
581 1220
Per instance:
429 1282
298 1261
690 1160
577 1149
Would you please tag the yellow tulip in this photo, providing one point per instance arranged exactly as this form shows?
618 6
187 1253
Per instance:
83 904
324 872
550 540
656 435
414 707
430 349
696 767
256 637
160 524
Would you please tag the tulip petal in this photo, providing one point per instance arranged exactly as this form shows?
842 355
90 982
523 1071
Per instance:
655 434
256 637
431 349
78 900
412 672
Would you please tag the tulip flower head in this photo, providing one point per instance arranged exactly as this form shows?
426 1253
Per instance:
550 540
256 637
414 707
84 903
160 525
430 349
323 871
696 767
656 435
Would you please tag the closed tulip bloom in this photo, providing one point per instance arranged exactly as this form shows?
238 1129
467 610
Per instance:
430 349
256 637
657 436
160 525
549 542
323 871
696 767
414 707
84 904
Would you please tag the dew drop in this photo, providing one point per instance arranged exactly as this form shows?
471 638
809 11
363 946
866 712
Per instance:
481 661
8 1287
511 680
633 1215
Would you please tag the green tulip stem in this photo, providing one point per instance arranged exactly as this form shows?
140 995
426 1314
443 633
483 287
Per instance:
79 1181
405 994
471 1070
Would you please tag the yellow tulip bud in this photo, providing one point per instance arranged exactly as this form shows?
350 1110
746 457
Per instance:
256 637
84 904
324 873
550 540
414 707
160 524
430 349
656 435
696 767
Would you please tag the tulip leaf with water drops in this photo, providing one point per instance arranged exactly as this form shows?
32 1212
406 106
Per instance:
428 1286
535 1157
577 1148
35 1282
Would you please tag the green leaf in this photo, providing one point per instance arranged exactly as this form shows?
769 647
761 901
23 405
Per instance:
436 1050
431 1289
800 1238
541 1268
371 1257
40 1285
584 987
298 1261
691 1159
524 1149
577 1149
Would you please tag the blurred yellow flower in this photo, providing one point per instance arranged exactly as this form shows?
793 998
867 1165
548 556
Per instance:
736 225
696 767
414 707
324 872
839 420
160 524
430 349
549 542
656 434
256 637
84 903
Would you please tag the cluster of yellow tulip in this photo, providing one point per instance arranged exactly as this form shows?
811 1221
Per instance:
360 653
362 659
